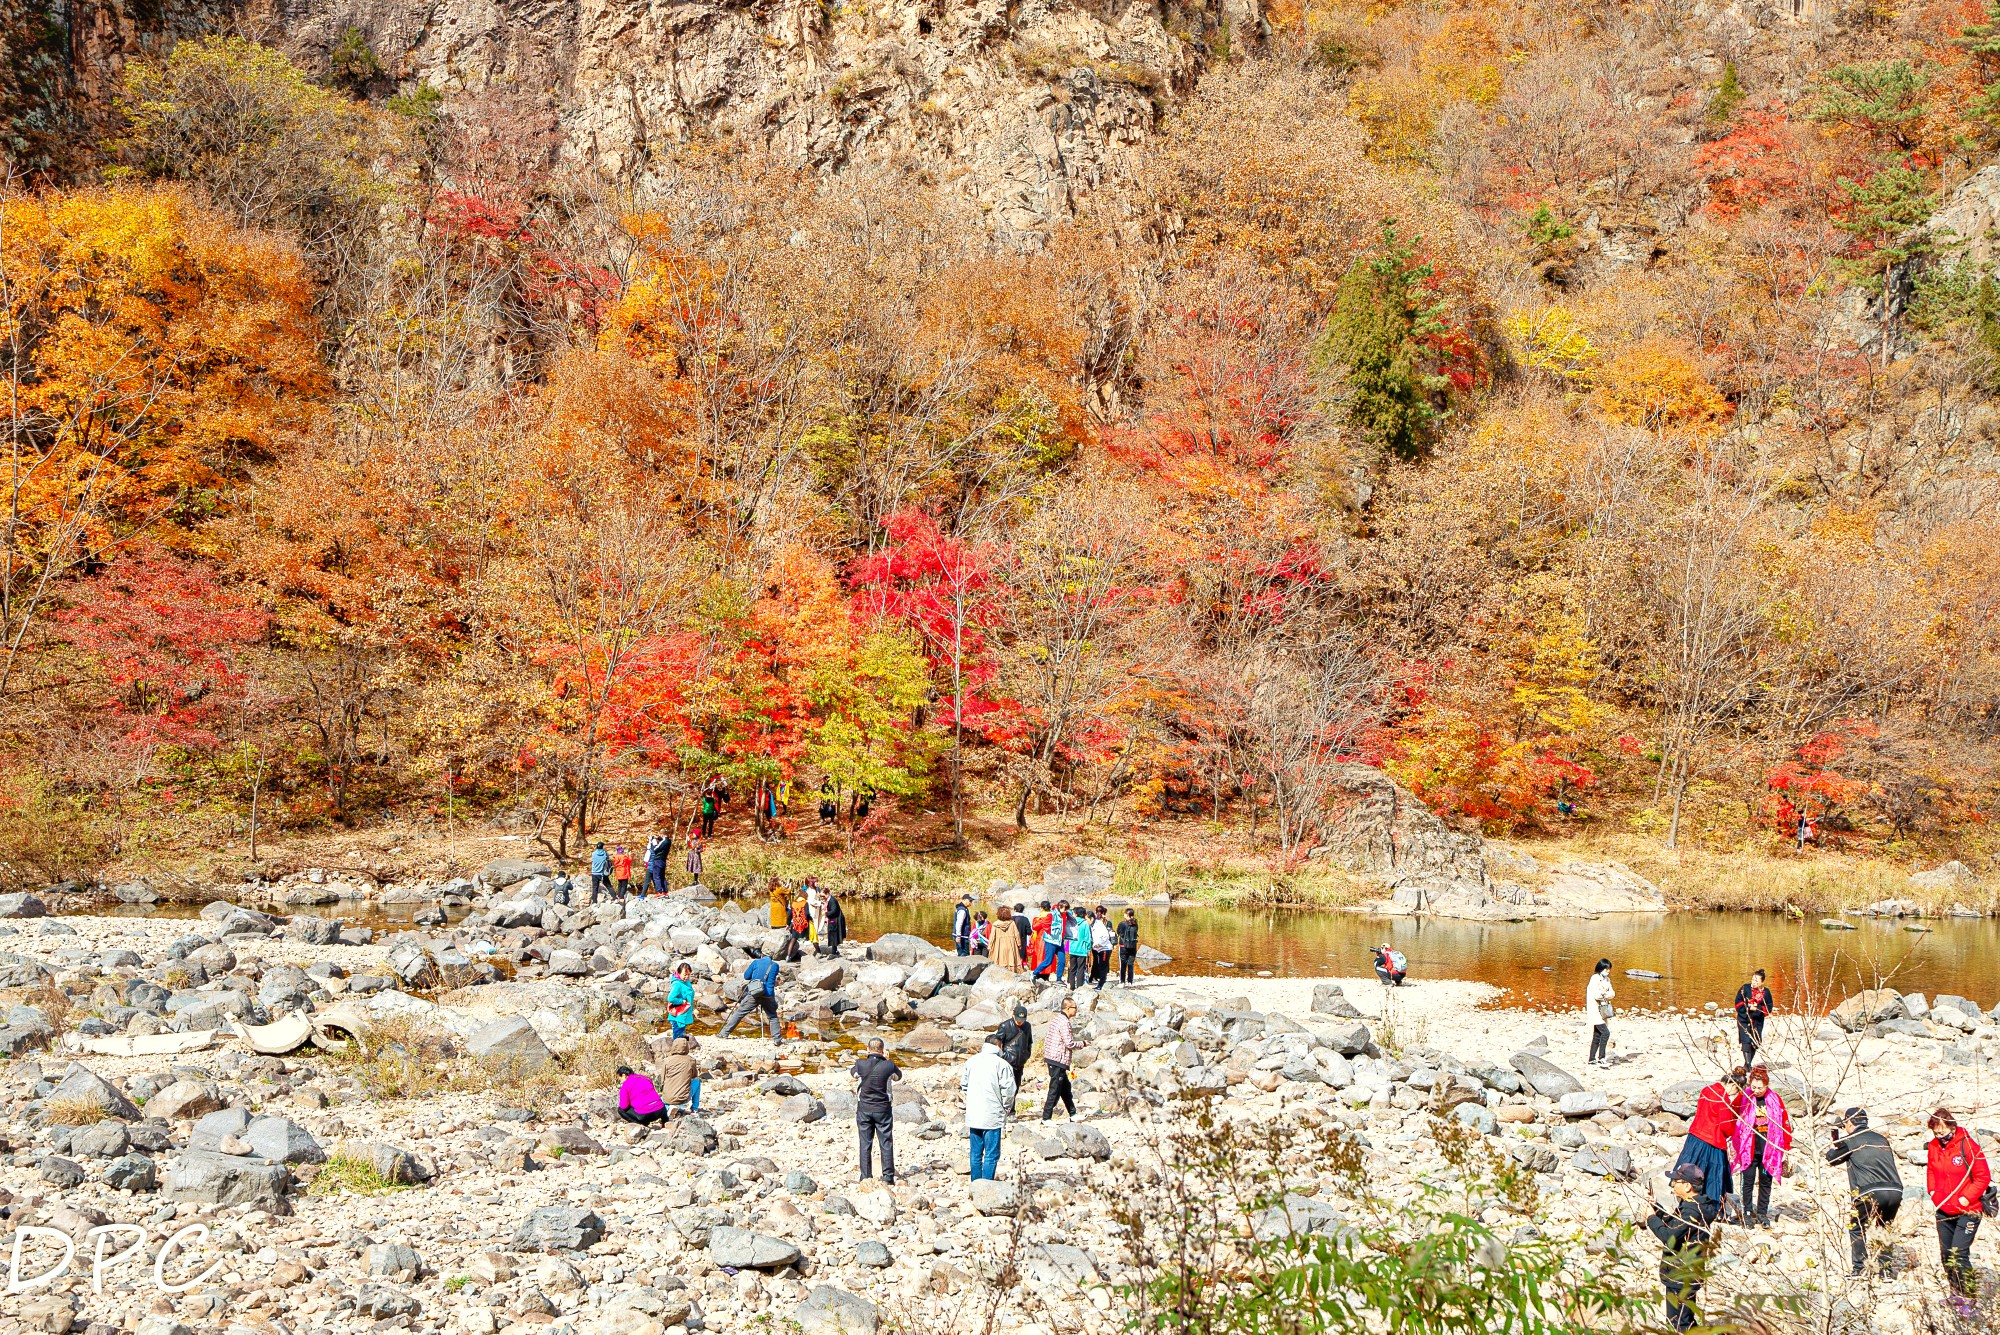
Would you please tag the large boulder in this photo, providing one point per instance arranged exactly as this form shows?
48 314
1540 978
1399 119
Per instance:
901 948
207 1178
503 872
1953 875
1079 877
184 1100
80 1084
281 1140
823 975
557 1228
509 1041
1869 1007
740 1249
1544 1076
22 906
831 1311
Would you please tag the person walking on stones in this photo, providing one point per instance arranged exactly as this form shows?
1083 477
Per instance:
760 994
1058 1038
680 999
874 1113
1079 948
1685 1238
680 1081
833 924
1597 996
1006 940
1753 1007
1128 947
1874 1180
1017 1041
600 871
1758 1145
1958 1177
988 1087
961 925
1102 938
695 842
1708 1136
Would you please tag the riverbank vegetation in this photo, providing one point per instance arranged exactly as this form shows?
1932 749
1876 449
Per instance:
1556 410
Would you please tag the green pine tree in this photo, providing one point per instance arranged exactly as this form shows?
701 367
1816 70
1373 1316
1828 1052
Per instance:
1728 94
1382 313
1983 40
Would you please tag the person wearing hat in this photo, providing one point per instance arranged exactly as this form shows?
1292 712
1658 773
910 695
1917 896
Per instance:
1708 1137
1957 1175
1017 1041
1684 1241
1873 1180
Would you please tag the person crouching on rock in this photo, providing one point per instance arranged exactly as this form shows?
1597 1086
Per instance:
1758 1145
1390 966
1684 1238
680 1086
638 1099
1708 1137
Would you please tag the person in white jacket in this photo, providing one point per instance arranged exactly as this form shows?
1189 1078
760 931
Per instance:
1597 1013
987 1082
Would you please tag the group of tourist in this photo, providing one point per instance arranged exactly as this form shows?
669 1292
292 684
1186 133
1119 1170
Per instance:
612 870
1068 944
1742 1136
810 916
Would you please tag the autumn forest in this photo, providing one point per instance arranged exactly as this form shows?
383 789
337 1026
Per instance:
1585 413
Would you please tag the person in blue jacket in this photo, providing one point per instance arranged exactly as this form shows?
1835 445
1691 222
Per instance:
600 871
760 994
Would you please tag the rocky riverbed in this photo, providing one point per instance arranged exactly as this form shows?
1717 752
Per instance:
522 1204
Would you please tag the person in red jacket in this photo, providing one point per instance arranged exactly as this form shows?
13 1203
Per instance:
1708 1137
1957 1176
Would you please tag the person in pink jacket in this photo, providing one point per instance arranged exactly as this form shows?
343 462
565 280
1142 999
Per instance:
1758 1144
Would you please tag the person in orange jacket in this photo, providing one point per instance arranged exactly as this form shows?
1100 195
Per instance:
1957 1175
1707 1143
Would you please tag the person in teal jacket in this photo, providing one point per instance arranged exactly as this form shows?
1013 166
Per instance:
1079 948
680 999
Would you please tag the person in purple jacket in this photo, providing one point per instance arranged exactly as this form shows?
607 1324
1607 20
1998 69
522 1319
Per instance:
638 1098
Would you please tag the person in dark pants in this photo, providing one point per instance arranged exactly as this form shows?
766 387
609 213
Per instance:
961 925
1957 1175
761 995
708 809
874 1113
657 854
1753 1007
1597 997
1873 1179
1128 947
639 1099
600 871
1758 1146
1017 1041
1684 1239
1058 1039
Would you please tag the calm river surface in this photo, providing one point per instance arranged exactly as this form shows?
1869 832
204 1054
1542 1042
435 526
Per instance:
1701 956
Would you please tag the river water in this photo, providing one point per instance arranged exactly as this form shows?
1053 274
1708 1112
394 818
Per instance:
1701 956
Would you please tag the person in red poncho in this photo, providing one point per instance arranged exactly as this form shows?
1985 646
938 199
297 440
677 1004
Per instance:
1708 1137
1957 1175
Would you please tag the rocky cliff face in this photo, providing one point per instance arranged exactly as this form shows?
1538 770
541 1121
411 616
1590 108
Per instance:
1028 107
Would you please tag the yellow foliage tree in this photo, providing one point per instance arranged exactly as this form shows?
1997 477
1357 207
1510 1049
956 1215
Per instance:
1658 385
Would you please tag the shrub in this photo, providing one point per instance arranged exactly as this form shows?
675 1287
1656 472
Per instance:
344 1172
73 1112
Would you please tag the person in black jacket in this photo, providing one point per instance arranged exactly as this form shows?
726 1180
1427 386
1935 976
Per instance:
1753 1007
1017 1042
874 1112
1684 1239
1873 1179
1128 947
832 925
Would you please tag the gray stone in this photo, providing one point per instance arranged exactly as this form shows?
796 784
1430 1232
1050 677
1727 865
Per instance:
696 1222
22 906
1079 876
1544 1076
81 1084
964 968
503 872
1567 1138
799 1184
1328 999
901 948
207 1178
1349 1040
831 1311
212 1129
133 1172
822 975
392 1260
392 1163
558 1228
740 1249
106 1140
1597 1159
185 1099
926 976
281 1140
1082 1142
801 1108
1535 1158
1583 1103
873 1255
509 1041
990 1197
64 1173
383 1304
1477 1116
873 1201
312 930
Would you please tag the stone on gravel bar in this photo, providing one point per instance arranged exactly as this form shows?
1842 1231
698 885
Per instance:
1544 1076
220 1179
557 1228
509 1040
740 1249
81 1084
132 1172
185 1099
990 1197
831 1311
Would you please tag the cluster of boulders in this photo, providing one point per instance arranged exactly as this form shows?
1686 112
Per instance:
1971 1036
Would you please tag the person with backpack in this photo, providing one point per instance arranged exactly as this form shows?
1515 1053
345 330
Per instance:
1102 938
1758 1145
760 994
1708 1136
600 871
1128 948
1686 1237
1390 966
1753 1007
874 1112
1958 1178
1597 997
1874 1181
680 999
1058 1041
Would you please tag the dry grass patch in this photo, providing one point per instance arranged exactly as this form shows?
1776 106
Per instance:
401 1059
73 1112
346 1173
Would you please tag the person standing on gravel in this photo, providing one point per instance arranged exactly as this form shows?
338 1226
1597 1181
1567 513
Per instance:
680 999
1017 1041
1685 1237
1079 948
1708 1136
1758 1145
874 1112
988 1087
621 870
1007 939
600 871
694 858
1054 927
1058 1039
1873 1179
1102 937
961 925
760 994
657 852
1957 1176
1128 947
1753 1007
1597 995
